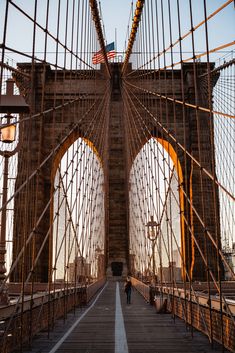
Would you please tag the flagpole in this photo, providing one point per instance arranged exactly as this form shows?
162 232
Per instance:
116 41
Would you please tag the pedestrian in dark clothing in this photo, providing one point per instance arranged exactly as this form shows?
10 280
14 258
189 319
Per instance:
127 287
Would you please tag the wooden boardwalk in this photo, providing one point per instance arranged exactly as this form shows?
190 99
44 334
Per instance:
145 331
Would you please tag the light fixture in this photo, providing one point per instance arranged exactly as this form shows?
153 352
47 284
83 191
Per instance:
152 233
8 132
9 103
152 229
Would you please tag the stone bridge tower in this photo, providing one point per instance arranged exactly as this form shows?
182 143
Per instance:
48 131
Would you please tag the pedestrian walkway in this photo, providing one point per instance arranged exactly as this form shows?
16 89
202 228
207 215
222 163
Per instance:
109 325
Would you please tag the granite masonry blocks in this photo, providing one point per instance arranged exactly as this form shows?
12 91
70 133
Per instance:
113 151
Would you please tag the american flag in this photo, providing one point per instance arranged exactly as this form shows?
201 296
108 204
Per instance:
98 57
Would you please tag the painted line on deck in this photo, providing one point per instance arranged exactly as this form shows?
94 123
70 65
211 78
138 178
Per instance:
59 343
120 332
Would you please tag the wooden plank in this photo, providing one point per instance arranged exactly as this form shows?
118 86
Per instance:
146 331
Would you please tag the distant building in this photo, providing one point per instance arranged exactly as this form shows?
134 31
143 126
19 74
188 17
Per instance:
100 264
177 257
88 269
229 254
170 273
132 264
79 270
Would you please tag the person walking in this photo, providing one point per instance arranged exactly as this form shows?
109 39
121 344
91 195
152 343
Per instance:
127 289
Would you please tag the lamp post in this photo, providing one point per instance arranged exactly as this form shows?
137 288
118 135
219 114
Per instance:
152 233
9 103
7 136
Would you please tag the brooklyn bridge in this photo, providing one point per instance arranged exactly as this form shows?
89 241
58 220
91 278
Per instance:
117 166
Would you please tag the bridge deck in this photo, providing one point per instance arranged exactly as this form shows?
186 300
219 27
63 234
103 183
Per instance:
93 331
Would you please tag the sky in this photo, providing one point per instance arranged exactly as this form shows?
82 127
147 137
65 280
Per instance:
115 15
19 30
221 28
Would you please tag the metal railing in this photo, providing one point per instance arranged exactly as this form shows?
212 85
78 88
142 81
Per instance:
194 308
18 326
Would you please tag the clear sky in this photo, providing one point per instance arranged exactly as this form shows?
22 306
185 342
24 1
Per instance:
19 30
116 14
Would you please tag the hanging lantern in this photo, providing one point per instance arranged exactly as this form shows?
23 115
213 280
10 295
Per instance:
152 229
8 133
